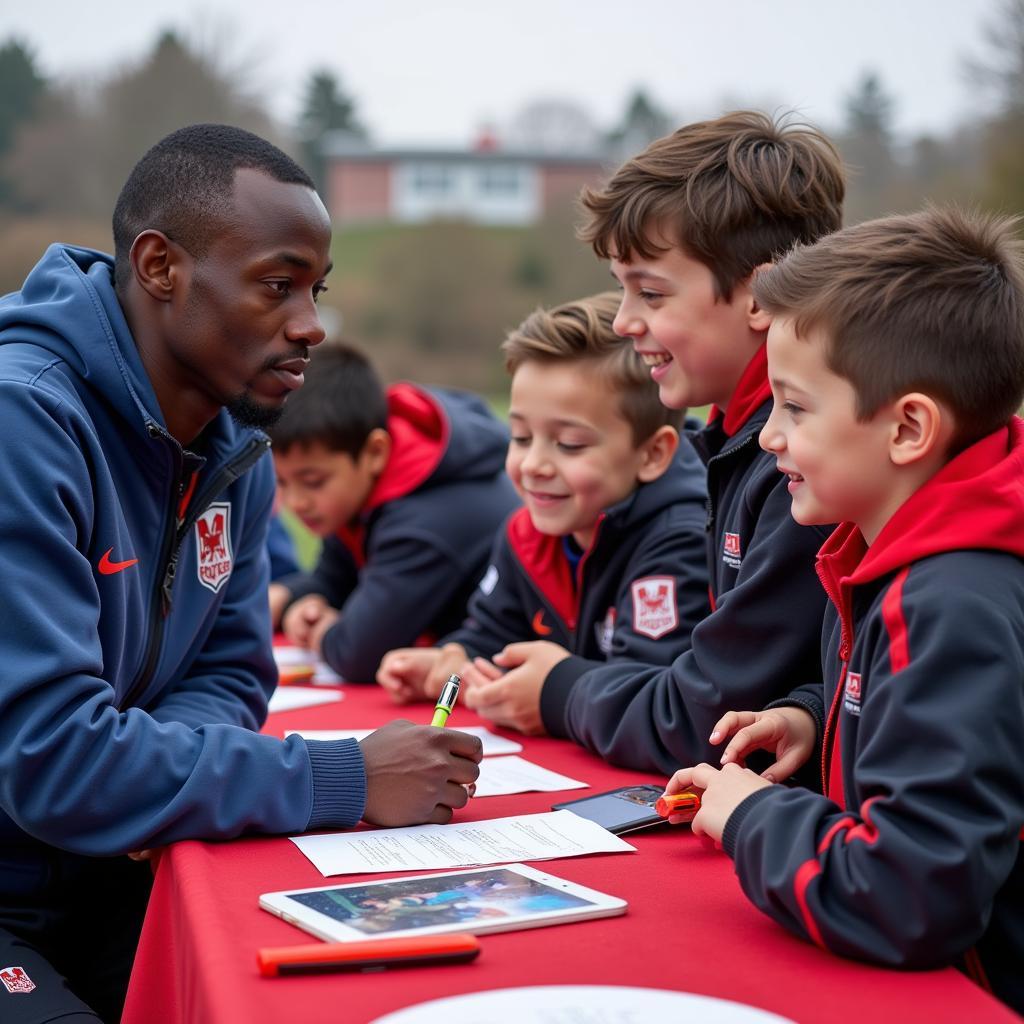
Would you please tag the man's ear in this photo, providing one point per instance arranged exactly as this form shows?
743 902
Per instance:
157 264
376 450
921 428
758 318
657 453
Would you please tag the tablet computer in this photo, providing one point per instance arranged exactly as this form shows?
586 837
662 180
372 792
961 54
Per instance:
619 810
479 900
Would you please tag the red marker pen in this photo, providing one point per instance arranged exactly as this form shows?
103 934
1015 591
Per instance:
371 955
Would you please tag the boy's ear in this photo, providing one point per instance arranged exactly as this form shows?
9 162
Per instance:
376 450
921 428
657 453
157 263
758 318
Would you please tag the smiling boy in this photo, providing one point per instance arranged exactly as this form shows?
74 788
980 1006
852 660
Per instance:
896 359
606 557
684 225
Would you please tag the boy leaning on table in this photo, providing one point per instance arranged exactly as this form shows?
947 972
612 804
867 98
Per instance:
407 487
606 559
896 358
684 225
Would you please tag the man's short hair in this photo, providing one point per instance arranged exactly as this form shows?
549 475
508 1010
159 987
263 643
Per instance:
581 332
338 406
733 193
930 302
183 187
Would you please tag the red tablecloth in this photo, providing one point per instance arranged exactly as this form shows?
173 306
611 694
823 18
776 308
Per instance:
689 926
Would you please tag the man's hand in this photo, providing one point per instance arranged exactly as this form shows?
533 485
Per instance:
300 619
417 773
514 698
723 791
790 733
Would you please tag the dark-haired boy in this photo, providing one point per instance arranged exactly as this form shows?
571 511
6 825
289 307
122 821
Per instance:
896 356
135 638
407 487
606 559
684 225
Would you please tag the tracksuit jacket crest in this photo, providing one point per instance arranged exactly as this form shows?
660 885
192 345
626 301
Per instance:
406 568
640 587
762 635
135 647
912 858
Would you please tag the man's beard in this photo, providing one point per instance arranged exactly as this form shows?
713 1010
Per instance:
247 412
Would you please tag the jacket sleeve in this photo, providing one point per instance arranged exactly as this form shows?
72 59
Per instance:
908 875
406 579
495 616
334 577
75 771
760 642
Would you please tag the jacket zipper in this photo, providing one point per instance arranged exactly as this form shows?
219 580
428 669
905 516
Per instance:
169 551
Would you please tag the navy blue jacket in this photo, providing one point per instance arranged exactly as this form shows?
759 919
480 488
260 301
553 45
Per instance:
404 572
135 647
913 856
761 637
639 588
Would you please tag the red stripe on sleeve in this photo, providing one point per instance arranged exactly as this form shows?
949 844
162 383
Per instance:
806 874
867 830
840 826
892 616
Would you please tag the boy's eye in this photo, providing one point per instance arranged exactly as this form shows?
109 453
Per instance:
648 296
519 440
791 408
570 447
318 289
280 286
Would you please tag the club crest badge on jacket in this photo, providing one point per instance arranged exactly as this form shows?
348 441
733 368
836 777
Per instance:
213 545
654 606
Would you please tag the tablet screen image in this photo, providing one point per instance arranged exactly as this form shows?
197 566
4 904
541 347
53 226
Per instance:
489 899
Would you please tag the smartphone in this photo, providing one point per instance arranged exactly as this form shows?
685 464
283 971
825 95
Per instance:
619 810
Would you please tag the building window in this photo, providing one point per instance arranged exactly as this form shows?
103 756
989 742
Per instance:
432 179
500 180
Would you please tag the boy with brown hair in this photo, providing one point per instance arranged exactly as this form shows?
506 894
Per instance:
896 358
684 225
606 558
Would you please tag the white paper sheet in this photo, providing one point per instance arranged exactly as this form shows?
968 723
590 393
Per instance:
289 698
500 776
426 847
580 1004
493 744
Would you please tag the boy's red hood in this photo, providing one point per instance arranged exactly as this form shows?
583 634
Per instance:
975 501
419 430
752 391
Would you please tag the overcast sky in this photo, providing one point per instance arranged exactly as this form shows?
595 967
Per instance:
436 71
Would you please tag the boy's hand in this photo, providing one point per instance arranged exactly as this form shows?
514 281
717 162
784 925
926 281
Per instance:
723 791
452 658
789 732
476 673
514 699
278 595
418 773
316 633
404 671
300 619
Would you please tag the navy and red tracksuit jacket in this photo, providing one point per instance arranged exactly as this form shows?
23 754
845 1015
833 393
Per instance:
761 637
636 592
404 571
912 857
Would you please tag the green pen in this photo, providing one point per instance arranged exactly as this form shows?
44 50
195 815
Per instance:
446 701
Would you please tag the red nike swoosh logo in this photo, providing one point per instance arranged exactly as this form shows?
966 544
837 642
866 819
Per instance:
540 627
108 567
